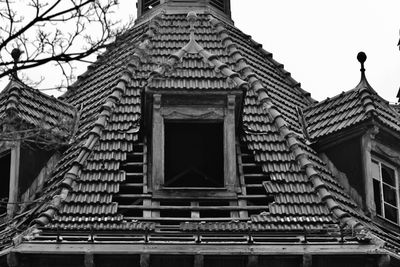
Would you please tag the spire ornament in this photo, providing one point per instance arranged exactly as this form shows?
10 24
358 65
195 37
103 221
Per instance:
15 54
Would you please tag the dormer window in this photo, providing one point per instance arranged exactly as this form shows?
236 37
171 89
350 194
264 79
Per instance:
194 154
386 190
193 142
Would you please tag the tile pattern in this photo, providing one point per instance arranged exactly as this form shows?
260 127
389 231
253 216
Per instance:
81 192
32 108
347 110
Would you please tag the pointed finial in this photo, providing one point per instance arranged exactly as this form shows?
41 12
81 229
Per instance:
191 17
15 54
362 57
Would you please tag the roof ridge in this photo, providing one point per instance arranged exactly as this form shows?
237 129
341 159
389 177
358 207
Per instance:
287 75
66 184
292 141
367 101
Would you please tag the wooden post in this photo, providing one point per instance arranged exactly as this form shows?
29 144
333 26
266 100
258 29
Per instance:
157 144
89 260
198 261
12 259
366 143
384 261
230 145
144 260
252 261
14 179
307 260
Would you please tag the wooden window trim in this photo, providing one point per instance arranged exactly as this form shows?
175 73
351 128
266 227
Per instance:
188 112
383 216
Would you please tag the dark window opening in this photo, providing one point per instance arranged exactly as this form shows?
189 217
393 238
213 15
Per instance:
194 155
219 4
5 161
149 4
33 158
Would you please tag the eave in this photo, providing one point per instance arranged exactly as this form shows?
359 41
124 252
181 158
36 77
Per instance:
203 249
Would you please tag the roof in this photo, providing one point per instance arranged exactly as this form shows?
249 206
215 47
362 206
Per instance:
348 109
298 192
30 108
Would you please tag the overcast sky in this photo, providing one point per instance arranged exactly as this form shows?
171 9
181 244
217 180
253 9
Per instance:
318 40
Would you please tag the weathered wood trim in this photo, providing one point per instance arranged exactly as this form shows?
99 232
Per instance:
386 152
252 261
13 259
384 261
14 179
89 260
366 147
307 260
194 113
157 144
198 261
230 145
203 249
163 110
144 260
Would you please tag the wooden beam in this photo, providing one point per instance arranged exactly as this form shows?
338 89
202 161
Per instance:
252 261
366 144
384 261
89 260
307 260
144 260
155 207
198 261
204 249
12 259
14 179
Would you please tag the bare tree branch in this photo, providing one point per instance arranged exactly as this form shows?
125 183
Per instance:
54 31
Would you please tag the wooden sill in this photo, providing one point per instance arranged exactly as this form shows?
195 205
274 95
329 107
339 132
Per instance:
194 193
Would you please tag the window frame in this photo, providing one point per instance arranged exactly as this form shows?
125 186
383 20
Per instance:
382 214
188 110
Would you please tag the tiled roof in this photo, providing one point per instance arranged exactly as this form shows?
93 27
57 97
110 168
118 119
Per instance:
32 108
297 190
348 109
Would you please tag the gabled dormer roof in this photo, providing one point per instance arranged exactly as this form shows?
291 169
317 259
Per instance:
30 108
351 108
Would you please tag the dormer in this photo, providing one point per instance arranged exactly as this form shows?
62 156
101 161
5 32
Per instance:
191 121
33 127
148 8
358 132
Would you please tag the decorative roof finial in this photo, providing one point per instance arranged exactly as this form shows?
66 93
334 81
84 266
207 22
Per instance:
15 54
191 18
362 57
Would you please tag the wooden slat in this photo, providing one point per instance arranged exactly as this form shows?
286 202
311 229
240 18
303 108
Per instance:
155 207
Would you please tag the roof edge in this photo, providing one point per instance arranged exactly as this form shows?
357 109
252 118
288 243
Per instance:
290 137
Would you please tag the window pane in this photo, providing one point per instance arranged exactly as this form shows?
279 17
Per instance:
377 196
391 213
375 170
389 195
388 175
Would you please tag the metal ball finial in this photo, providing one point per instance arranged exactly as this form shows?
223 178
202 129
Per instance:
16 53
361 57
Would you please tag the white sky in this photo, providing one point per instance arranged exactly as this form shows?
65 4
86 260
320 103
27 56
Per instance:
317 41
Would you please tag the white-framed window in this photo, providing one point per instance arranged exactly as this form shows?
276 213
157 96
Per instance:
386 190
